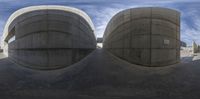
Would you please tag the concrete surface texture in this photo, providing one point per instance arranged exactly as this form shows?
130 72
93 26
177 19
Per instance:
148 36
48 37
101 75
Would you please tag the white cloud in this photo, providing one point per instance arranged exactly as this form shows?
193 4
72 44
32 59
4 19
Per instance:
190 30
101 16
102 19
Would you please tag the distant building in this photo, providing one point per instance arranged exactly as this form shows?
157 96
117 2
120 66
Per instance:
183 44
195 47
99 42
1 50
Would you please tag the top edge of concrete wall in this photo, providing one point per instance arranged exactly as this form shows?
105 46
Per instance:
137 8
44 7
172 9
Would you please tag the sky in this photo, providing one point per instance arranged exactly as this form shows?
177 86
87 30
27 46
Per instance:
101 11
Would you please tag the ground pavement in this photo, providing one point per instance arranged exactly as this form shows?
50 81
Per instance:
101 75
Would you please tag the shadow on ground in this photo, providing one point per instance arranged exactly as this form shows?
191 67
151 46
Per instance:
101 76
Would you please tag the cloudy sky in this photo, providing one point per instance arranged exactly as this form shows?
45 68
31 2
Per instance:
101 12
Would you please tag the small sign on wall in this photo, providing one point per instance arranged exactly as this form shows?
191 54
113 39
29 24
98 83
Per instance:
166 42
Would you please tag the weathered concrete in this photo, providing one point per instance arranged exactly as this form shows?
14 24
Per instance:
148 36
48 37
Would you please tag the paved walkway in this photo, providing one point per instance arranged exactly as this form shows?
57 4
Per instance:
2 56
101 76
196 56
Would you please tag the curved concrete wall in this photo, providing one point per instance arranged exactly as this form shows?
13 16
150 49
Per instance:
147 36
50 38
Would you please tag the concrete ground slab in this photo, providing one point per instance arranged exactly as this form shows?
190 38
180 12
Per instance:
101 75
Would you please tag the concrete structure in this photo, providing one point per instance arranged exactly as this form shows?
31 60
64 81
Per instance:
147 36
48 36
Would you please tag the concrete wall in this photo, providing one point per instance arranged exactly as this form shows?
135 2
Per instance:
148 36
48 39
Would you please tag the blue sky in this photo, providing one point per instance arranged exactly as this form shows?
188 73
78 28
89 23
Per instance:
101 11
